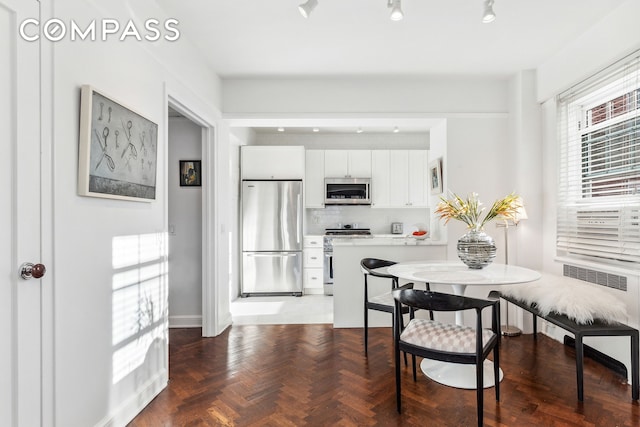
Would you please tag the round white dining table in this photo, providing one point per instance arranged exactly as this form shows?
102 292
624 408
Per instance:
459 277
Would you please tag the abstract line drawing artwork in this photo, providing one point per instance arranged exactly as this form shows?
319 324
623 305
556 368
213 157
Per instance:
117 150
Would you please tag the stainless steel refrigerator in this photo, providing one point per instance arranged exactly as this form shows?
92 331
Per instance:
271 237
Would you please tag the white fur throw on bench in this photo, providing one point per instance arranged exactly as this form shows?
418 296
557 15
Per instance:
580 301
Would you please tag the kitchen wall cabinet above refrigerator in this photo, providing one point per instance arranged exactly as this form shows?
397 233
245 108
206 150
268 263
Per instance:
272 162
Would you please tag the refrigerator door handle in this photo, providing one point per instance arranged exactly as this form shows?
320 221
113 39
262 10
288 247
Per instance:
273 254
298 219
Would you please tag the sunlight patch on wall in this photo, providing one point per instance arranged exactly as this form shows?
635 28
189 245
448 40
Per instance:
134 250
139 300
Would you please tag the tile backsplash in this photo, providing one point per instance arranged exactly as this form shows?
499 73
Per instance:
378 220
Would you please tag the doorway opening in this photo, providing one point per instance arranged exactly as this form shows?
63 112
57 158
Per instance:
185 219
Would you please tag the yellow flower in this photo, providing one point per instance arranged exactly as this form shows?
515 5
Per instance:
470 210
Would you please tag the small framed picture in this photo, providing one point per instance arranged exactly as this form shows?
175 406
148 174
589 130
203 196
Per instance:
435 176
190 173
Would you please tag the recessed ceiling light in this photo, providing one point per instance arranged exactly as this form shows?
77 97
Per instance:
316 129
396 130
280 129
359 130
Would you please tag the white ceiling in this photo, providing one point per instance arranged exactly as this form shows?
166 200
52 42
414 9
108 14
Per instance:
270 38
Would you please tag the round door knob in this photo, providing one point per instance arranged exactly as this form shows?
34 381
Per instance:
32 271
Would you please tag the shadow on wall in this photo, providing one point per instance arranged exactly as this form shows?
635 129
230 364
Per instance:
139 303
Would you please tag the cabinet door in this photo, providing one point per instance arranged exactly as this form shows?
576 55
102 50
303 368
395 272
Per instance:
313 241
398 178
380 188
313 258
359 162
274 162
417 178
336 163
313 278
314 179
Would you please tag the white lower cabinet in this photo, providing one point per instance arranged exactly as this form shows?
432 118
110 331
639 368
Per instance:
312 281
313 255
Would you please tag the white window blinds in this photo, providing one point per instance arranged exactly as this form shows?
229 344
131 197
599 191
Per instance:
599 176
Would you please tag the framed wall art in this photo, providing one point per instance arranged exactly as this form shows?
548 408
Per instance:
190 173
118 150
435 176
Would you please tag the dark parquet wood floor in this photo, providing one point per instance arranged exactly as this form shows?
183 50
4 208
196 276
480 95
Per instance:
314 375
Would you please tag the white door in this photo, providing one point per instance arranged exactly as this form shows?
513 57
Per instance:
22 223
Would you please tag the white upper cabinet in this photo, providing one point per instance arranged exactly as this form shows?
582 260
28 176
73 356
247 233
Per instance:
314 179
347 163
399 179
418 172
272 162
380 188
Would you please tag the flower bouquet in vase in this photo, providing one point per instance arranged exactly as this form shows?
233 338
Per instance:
475 248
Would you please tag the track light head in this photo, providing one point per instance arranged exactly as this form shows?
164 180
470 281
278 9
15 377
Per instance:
488 15
396 10
307 7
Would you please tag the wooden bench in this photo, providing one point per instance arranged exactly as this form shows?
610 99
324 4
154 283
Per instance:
598 328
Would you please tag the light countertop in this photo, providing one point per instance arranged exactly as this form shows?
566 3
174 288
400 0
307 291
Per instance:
386 240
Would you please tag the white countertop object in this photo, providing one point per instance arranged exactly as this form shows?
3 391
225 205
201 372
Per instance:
385 240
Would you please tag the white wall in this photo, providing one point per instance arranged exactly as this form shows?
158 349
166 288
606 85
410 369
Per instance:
439 94
525 149
110 256
347 141
615 36
185 227
438 152
238 138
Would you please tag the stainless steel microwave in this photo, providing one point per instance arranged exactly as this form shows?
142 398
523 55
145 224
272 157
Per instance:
347 191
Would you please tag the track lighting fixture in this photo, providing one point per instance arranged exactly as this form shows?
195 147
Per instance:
488 15
396 10
307 7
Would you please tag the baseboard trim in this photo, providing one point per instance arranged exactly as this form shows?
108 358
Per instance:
131 407
605 360
193 321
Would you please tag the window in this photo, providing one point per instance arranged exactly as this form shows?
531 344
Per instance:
599 177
